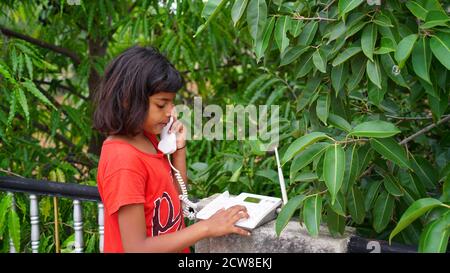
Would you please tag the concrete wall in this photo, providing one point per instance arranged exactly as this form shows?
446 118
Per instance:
293 239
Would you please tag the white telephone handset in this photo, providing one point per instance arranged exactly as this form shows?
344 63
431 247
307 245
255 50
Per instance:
168 145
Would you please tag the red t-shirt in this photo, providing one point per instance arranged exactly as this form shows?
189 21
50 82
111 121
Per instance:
126 176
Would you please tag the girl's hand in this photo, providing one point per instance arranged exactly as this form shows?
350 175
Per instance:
222 222
179 129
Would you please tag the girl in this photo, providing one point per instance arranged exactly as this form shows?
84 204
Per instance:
143 212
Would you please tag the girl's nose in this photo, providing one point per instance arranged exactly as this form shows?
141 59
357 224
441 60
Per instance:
170 110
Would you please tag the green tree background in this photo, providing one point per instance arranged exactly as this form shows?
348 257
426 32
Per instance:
363 90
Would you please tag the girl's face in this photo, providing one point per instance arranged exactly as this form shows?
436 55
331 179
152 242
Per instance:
160 108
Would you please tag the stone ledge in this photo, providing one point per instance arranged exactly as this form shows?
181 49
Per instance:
293 239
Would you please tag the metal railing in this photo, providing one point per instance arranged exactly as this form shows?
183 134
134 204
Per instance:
79 193
76 192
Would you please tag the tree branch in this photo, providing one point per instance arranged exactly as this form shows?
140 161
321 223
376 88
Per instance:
424 130
64 51
67 88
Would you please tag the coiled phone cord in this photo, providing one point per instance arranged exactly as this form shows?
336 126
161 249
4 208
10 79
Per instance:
189 207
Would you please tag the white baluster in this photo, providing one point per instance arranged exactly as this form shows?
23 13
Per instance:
101 228
78 226
12 248
34 220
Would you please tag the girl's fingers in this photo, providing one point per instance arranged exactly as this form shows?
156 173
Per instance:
175 126
240 215
241 231
235 209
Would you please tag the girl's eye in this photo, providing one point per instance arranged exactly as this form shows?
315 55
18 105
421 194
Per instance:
160 106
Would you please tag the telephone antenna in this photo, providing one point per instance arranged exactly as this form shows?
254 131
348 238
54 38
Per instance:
281 178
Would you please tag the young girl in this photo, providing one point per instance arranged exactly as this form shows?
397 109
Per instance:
143 212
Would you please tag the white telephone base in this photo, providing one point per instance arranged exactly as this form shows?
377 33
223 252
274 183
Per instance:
260 208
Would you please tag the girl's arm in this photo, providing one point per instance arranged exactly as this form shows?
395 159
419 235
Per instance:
134 233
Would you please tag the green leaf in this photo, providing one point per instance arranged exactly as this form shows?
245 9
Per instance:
281 28
333 169
335 222
29 66
310 90
5 205
14 229
392 186
404 49
286 213
410 181
4 71
306 64
210 7
434 239
306 177
296 27
387 46
339 122
339 205
292 54
29 85
391 150
376 95
307 156
417 209
445 197
12 109
382 211
312 214
308 33
358 66
345 6
355 204
383 20
300 144
425 171
438 106
238 10
440 46
373 71
269 174
261 44
417 9
421 59
323 107
376 128
20 95
388 65
320 61
236 174
368 40
339 75
256 18
351 168
346 54
337 31
371 194
435 18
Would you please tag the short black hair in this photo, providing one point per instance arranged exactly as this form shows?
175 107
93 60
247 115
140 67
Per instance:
121 101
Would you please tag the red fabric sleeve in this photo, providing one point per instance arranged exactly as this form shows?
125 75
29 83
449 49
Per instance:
123 187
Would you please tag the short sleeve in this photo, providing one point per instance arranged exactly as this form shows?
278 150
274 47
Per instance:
123 187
